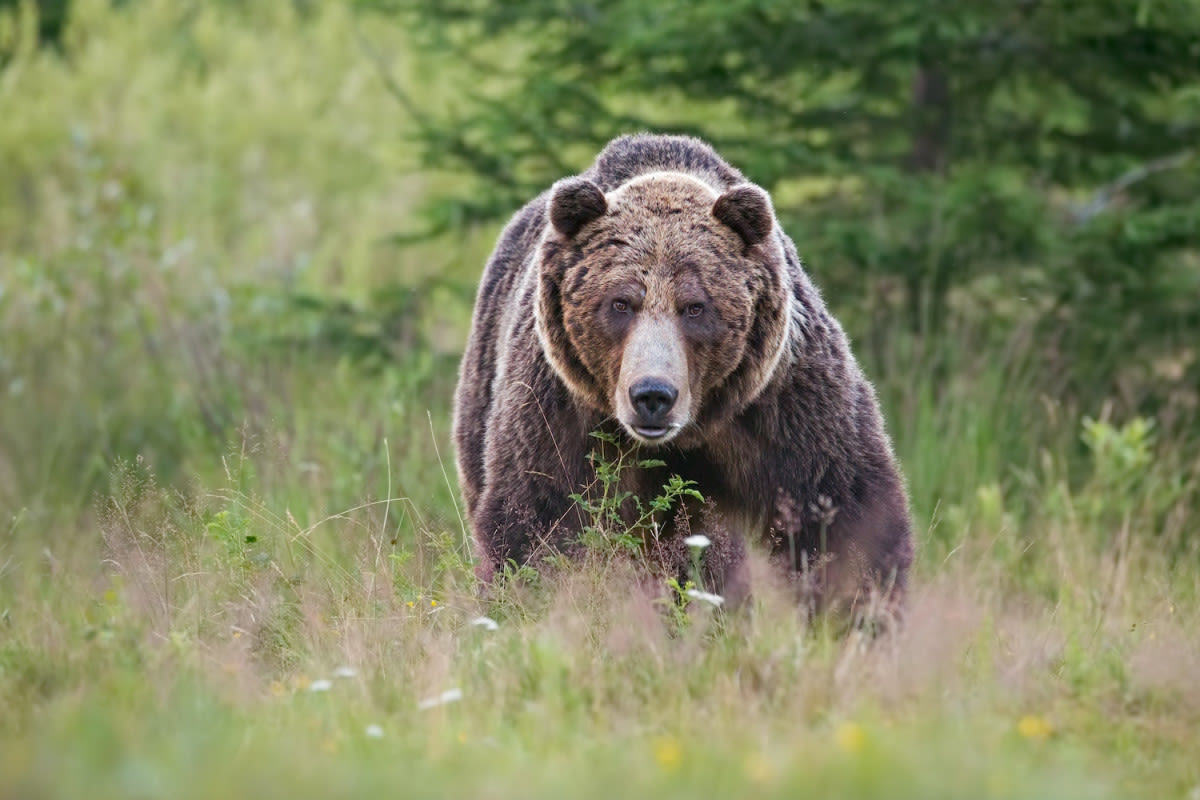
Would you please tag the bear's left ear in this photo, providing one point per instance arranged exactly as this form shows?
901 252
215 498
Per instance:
747 209
574 202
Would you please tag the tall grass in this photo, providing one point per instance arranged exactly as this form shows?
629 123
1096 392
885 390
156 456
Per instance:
168 183
207 507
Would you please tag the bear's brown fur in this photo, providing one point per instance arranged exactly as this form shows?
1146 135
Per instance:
656 297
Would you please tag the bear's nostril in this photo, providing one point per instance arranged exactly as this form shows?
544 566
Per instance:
652 398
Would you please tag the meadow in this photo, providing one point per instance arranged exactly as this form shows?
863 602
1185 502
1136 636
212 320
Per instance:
232 557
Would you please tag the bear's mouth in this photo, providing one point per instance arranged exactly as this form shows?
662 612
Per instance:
653 433
648 432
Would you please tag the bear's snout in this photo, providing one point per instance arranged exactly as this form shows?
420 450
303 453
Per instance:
653 399
652 395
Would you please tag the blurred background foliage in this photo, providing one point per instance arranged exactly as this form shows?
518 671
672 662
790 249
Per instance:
260 225
1024 163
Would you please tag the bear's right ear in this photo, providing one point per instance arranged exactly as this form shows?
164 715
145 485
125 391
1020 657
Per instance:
574 202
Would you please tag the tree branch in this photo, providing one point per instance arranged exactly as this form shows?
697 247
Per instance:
1104 195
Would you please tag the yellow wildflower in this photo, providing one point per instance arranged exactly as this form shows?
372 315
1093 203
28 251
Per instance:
1032 726
758 768
850 736
668 753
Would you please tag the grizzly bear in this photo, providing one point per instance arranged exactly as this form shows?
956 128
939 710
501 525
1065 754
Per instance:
656 297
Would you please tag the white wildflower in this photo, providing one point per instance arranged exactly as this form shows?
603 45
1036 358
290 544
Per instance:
345 672
320 685
697 540
708 597
374 732
448 696
485 622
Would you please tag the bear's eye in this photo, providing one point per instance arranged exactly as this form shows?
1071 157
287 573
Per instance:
694 310
621 306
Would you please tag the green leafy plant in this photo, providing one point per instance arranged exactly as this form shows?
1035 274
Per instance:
1120 455
676 602
619 519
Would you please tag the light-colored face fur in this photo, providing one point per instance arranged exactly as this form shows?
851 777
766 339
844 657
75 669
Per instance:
662 301
655 351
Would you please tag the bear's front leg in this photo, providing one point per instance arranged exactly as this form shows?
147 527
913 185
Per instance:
535 458
522 516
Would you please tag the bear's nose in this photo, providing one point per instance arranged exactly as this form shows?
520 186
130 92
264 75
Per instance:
652 398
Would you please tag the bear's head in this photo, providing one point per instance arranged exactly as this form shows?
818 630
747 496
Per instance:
664 303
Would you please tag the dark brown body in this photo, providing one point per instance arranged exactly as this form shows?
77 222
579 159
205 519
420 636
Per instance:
662 264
